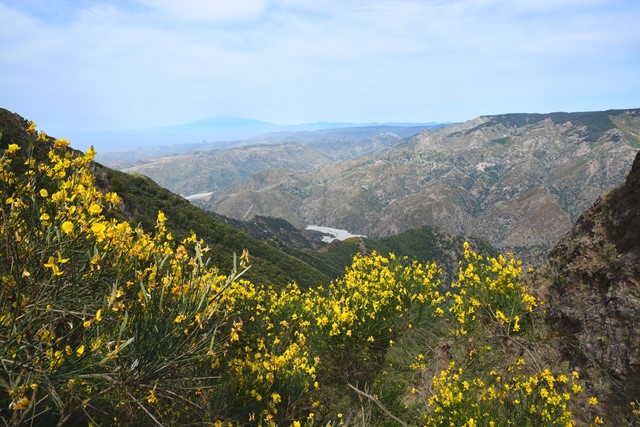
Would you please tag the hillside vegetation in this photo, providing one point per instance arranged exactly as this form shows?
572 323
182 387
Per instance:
142 199
106 323
425 244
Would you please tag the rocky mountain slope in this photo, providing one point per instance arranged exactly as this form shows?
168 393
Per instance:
205 169
517 180
592 284
215 170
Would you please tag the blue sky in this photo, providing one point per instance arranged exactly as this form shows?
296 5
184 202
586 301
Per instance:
87 65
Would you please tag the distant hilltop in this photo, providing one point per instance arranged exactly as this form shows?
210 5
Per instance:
222 131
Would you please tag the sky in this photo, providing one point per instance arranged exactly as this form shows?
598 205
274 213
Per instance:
83 66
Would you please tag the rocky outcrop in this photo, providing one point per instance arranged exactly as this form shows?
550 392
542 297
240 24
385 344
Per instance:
592 285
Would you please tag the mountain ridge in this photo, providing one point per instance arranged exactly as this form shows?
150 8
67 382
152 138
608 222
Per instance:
304 136
216 132
214 170
521 188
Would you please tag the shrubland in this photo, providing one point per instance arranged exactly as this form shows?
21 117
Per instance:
104 323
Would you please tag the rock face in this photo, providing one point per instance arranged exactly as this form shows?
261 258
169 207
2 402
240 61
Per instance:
592 284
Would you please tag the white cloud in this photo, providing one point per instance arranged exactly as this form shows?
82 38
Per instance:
153 62
209 11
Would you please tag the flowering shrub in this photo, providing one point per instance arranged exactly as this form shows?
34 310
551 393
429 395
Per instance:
359 316
97 319
267 371
489 309
539 399
488 290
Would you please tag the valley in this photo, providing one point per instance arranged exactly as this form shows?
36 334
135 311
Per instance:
518 181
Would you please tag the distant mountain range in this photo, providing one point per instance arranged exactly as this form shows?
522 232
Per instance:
205 169
517 180
207 133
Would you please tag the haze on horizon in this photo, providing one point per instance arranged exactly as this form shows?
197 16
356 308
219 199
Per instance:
78 68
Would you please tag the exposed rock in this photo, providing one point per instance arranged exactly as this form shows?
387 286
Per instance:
592 284
13 129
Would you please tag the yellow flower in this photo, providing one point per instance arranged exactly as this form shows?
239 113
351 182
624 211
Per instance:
244 258
516 324
501 317
112 198
51 263
44 192
67 228
91 153
593 400
20 404
98 230
99 315
80 350
95 209
12 149
61 143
